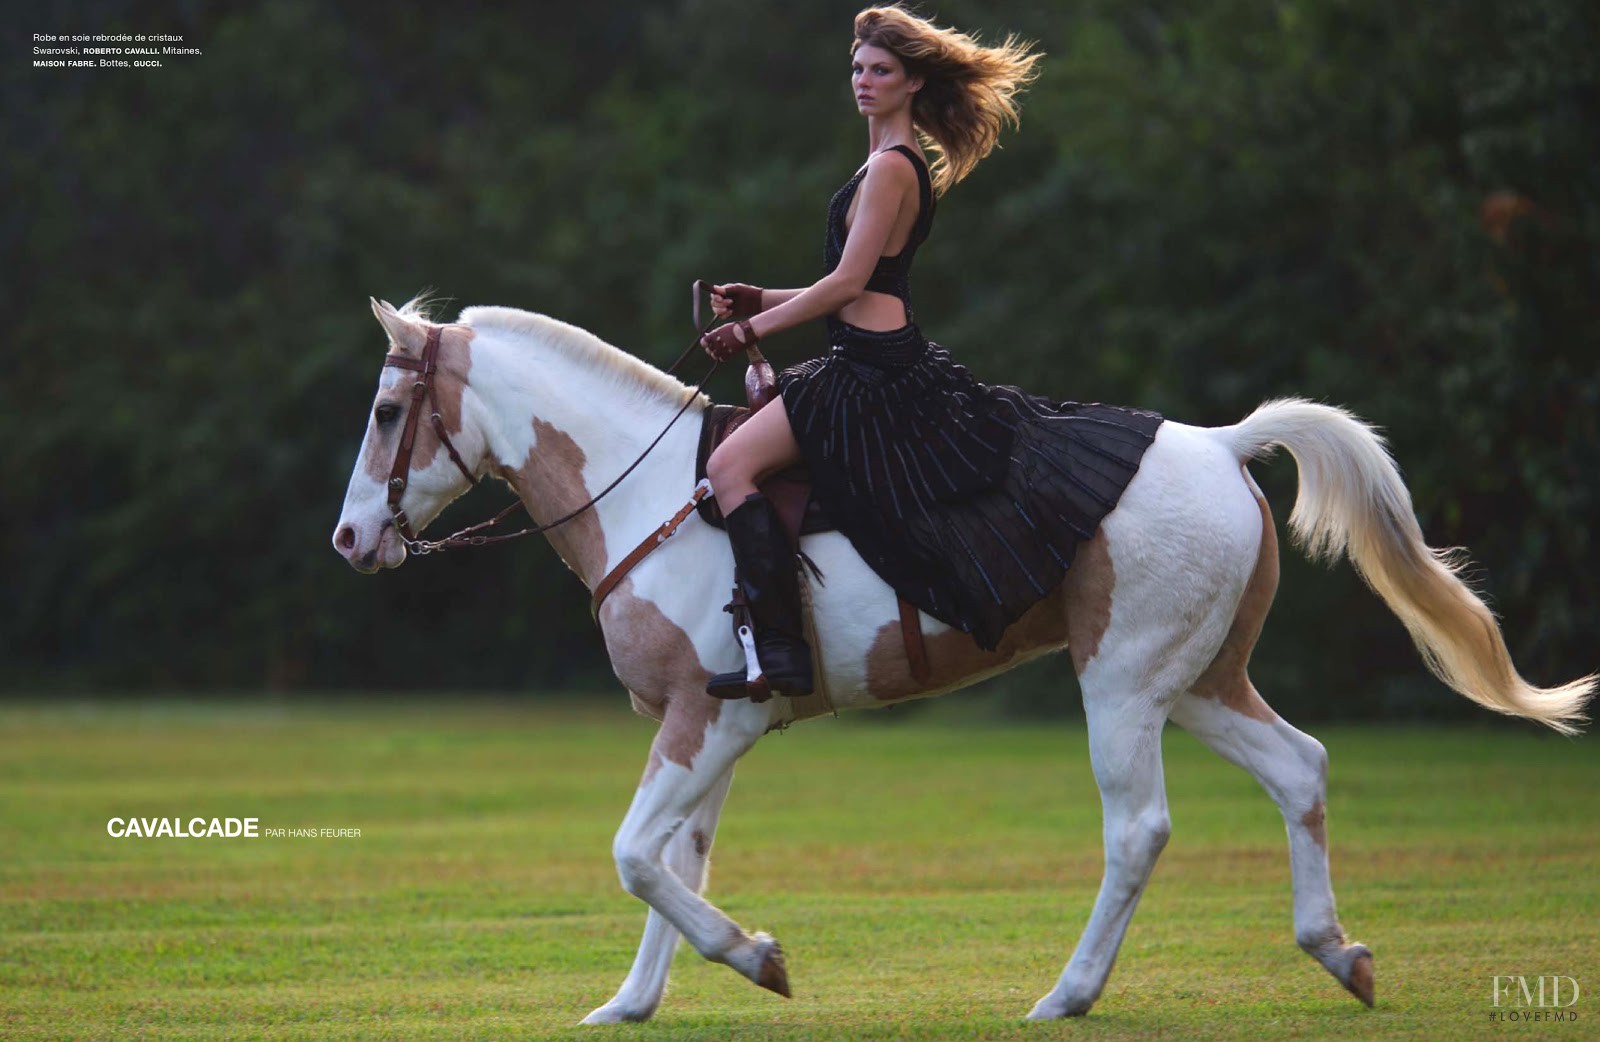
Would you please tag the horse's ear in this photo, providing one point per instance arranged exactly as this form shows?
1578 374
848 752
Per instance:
407 335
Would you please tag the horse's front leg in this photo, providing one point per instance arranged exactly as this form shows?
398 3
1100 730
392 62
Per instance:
687 856
699 741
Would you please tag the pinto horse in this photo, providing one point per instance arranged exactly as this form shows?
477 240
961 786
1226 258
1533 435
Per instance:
1159 614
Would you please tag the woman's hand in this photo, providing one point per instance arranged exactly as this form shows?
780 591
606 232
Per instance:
726 341
735 300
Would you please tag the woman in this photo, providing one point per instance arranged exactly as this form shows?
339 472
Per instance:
968 499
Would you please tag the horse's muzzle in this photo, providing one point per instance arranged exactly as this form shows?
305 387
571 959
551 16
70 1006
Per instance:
367 555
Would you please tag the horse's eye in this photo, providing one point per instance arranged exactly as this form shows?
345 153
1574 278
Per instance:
386 413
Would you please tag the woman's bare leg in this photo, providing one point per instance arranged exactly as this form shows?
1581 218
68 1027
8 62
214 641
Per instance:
764 443
762 554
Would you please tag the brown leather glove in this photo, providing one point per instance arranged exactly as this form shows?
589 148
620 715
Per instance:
728 340
742 301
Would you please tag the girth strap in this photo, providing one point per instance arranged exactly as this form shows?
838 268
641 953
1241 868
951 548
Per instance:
911 636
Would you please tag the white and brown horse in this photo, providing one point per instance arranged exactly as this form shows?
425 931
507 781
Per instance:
1159 614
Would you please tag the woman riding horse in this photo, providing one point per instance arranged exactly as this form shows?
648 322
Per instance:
968 499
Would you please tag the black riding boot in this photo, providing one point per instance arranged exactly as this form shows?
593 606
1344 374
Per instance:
764 568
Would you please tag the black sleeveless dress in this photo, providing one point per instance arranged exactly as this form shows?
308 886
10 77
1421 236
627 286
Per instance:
969 499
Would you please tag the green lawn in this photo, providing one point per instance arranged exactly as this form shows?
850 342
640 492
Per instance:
928 879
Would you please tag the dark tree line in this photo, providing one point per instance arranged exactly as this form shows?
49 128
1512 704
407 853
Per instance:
1391 207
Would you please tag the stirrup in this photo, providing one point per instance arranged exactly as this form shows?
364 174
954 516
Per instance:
751 683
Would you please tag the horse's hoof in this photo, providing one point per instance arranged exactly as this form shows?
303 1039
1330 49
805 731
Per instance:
1052 1008
1359 981
771 973
1043 1010
612 1013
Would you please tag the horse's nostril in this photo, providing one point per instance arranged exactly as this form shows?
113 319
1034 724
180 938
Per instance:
345 538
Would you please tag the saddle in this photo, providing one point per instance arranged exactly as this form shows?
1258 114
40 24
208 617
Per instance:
789 491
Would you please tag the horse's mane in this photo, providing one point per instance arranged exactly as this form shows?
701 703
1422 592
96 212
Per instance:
576 343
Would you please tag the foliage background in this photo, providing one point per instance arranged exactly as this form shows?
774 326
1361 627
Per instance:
1392 207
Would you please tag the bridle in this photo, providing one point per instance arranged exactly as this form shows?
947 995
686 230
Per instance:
422 391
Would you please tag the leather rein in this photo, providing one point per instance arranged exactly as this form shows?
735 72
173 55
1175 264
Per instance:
422 391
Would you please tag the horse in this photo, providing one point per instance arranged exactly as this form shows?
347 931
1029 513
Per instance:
1158 614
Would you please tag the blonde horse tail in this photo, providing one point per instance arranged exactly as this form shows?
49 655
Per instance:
1352 501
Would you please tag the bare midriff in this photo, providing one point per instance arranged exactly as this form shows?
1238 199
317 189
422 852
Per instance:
880 312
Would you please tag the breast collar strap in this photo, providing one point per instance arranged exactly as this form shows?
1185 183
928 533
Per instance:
646 547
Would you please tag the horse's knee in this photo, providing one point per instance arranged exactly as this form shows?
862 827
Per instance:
1316 755
637 868
1313 756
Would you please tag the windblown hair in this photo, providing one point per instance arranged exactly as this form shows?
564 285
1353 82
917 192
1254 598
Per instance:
968 92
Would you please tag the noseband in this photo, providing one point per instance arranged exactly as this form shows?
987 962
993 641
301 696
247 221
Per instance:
421 390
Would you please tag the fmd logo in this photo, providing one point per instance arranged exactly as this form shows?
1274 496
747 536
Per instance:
1547 998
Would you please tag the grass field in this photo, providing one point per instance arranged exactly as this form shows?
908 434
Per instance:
928 879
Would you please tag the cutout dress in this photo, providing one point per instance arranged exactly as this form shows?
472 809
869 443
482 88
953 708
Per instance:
969 499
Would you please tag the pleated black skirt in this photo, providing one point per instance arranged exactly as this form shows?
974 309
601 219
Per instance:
969 499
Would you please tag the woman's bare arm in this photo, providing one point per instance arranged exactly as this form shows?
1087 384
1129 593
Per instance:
723 303
771 298
890 176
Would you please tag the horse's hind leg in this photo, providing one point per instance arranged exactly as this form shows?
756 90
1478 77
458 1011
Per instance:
687 856
1125 746
1145 615
1293 768
1223 710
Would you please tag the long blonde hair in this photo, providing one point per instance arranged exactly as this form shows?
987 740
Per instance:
968 92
